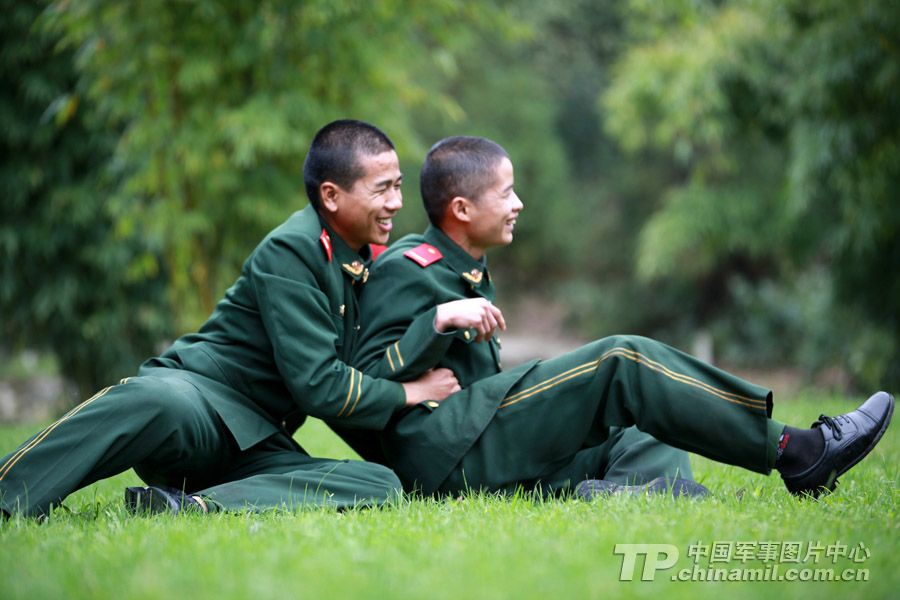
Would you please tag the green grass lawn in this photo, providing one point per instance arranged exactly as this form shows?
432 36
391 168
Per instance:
479 547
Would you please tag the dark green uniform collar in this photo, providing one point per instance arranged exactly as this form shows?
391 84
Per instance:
474 271
355 265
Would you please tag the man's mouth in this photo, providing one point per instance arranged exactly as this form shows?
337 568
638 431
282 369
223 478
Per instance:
385 223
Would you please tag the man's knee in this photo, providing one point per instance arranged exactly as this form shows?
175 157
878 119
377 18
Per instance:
373 473
166 403
626 347
628 342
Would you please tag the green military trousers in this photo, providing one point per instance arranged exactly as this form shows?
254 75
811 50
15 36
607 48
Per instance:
170 433
628 456
547 424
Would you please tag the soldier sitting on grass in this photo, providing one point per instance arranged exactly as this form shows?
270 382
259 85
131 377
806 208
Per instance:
208 423
567 422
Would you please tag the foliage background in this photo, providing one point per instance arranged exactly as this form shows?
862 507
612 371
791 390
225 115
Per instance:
724 169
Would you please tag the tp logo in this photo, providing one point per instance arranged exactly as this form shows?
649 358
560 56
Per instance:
657 557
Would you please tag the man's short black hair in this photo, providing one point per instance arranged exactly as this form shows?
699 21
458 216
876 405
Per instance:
458 166
334 155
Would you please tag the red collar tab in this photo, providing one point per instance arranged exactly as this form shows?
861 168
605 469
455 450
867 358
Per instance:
376 249
326 243
424 255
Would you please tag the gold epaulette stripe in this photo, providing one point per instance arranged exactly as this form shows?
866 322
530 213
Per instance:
397 350
350 392
358 394
40 437
640 359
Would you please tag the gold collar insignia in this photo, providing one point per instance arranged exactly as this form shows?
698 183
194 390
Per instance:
355 269
474 276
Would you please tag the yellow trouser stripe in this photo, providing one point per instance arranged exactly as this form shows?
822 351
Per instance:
585 368
692 381
640 359
15 457
350 392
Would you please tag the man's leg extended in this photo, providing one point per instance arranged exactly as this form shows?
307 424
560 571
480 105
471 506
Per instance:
277 474
119 427
564 405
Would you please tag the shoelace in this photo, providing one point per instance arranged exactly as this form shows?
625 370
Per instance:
831 423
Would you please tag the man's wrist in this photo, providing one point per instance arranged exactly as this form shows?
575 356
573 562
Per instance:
438 324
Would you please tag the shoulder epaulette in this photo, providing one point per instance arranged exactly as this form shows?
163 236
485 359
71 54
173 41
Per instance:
326 243
376 249
424 255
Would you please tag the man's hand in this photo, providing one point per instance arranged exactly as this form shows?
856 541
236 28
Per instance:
475 313
434 384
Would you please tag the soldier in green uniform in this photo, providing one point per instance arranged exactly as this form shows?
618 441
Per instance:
214 414
429 302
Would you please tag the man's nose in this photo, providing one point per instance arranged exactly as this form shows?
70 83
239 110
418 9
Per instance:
395 200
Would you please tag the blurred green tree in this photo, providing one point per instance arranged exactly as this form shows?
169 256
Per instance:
217 102
737 177
68 284
784 118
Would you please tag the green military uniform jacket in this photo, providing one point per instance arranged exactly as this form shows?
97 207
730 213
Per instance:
419 272
276 348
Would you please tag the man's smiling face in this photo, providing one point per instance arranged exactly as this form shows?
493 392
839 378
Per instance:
494 213
364 213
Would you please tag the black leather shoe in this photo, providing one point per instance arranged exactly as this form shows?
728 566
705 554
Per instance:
848 439
155 500
676 486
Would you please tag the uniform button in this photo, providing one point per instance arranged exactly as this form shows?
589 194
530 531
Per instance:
467 334
433 404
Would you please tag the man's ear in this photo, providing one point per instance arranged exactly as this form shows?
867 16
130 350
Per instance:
328 192
460 209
